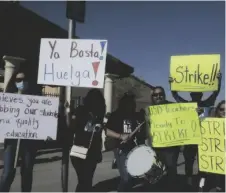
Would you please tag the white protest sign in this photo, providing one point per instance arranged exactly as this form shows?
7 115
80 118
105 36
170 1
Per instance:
72 62
28 117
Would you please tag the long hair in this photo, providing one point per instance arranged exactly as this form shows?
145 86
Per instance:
11 87
89 100
211 112
218 107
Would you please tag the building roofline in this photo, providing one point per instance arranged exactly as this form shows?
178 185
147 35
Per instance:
141 81
76 37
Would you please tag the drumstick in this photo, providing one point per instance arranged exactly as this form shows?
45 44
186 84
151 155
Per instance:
138 127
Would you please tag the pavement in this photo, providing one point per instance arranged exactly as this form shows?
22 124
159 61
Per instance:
47 174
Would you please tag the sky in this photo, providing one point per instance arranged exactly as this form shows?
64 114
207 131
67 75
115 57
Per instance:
145 34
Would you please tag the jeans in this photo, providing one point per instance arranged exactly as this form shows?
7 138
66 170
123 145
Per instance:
125 179
190 151
169 157
85 170
27 152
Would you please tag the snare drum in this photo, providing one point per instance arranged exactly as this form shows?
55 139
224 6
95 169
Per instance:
141 163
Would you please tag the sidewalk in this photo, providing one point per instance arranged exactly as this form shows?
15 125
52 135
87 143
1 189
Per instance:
47 174
44 155
50 155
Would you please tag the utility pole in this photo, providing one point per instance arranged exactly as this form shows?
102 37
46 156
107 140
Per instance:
66 150
75 12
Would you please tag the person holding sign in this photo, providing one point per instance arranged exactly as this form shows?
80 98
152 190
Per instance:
27 148
87 127
120 125
190 151
220 110
220 179
214 182
197 96
168 155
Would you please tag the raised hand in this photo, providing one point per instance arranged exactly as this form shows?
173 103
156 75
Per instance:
219 75
170 80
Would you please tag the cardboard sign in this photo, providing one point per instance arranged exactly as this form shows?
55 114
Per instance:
197 73
212 149
72 62
174 124
28 117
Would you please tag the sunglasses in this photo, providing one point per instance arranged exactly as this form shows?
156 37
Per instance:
221 109
157 94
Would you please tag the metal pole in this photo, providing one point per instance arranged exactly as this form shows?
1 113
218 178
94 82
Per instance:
65 156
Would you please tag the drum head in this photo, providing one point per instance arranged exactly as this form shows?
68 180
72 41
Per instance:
140 161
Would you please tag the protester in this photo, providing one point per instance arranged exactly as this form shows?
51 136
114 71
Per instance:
140 118
120 125
88 122
167 155
190 151
197 96
219 179
211 182
28 148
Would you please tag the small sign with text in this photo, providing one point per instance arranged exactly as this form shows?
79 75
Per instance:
211 151
174 124
72 62
28 117
195 73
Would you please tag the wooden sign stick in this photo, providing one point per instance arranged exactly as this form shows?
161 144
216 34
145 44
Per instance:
18 144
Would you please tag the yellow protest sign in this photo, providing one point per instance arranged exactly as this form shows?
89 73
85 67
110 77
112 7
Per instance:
212 149
174 124
197 73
